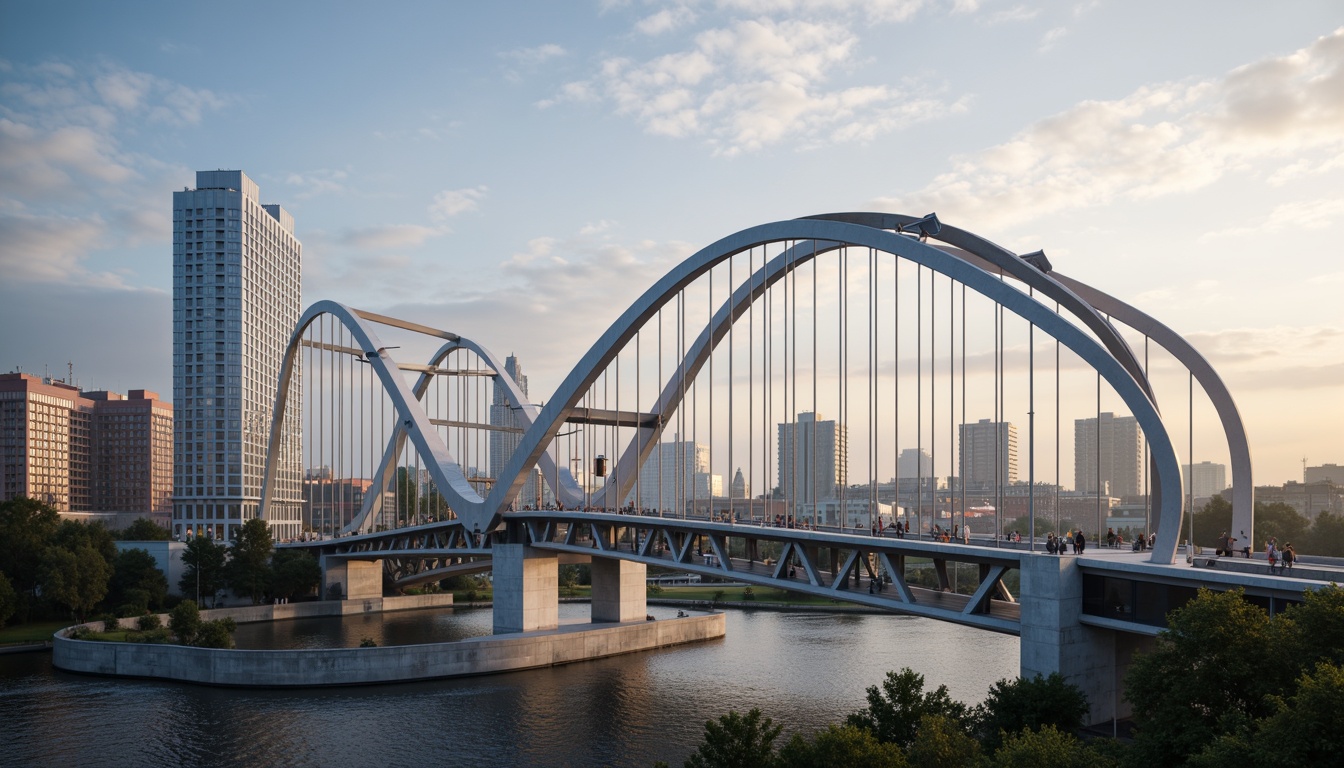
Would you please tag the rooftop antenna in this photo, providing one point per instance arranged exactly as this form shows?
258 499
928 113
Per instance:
70 373
1304 469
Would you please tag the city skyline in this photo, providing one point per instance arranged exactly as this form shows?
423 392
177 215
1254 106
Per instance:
476 164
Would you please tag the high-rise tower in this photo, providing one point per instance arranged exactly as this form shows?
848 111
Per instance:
813 458
1112 445
504 443
236 300
988 454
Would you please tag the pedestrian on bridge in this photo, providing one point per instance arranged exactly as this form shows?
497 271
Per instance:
1079 542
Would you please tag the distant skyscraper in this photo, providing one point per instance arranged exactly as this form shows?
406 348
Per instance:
988 454
236 300
813 458
1206 478
914 463
502 443
1120 442
741 489
675 472
1333 473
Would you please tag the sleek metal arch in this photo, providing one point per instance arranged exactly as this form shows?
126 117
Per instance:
539 436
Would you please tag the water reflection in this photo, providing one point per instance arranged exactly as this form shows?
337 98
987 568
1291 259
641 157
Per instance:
803 669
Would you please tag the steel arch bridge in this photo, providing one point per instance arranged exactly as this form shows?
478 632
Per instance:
429 444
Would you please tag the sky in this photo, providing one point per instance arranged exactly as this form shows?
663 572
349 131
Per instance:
520 172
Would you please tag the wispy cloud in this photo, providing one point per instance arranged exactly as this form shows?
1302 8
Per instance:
1300 214
755 82
1159 140
451 202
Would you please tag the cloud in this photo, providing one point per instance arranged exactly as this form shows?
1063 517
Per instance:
452 202
318 182
49 249
665 20
536 55
757 82
62 155
389 237
1051 37
1297 215
1009 15
1160 140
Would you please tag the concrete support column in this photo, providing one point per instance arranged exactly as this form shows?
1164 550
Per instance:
1053 640
356 579
619 590
527 588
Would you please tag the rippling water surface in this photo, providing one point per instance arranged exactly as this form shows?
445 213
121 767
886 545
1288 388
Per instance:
803 669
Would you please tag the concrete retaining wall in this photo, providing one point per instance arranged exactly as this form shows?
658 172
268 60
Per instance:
361 666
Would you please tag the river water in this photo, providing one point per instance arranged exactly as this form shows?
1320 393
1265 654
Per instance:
803 669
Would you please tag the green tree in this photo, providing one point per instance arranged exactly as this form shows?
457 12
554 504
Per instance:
1303 730
840 746
185 621
941 742
294 572
204 574
215 634
74 578
737 741
1212 520
137 580
248 571
1047 747
1280 521
1029 704
9 601
896 709
1209 673
144 529
1314 631
27 528
72 535
1326 537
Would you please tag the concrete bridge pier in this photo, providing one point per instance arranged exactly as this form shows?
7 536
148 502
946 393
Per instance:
1054 640
526 584
354 579
620 590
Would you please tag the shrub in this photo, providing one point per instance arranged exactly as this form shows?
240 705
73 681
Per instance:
148 623
110 623
748 593
185 621
367 643
216 634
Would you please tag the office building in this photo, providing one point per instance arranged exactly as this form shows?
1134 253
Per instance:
236 300
1331 473
813 458
1112 446
674 475
987 454
95 455
914 463
509 433
1205 478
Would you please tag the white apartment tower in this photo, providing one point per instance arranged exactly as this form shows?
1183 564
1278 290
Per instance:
504 441
675 475
813 458
988 454
236 300
1205 479
1112 445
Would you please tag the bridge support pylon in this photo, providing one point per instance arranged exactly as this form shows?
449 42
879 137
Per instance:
620 590
353 579
1053 639
527 586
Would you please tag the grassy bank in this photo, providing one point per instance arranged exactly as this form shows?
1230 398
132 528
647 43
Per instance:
33 632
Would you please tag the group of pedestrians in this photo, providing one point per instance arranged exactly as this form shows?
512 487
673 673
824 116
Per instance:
1280 558
1058 545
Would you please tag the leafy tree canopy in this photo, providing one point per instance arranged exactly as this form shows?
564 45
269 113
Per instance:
204 574
248 570
135 570
737 741
294 572
895 710
841 746
144 529
1030 704
27 528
